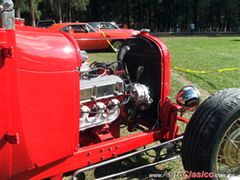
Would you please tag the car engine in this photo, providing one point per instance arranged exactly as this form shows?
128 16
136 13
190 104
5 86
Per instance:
104 89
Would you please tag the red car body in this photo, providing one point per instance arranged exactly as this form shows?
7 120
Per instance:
89 38
40 106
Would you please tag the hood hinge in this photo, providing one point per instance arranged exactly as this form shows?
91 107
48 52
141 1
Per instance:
12 138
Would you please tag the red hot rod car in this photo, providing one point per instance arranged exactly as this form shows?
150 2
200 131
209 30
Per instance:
60 115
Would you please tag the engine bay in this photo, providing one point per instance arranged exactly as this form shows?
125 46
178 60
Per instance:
107 89
104 90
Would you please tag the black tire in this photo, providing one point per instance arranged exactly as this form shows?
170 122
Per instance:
205 131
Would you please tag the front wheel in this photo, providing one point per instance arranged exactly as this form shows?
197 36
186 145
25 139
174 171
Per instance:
211 144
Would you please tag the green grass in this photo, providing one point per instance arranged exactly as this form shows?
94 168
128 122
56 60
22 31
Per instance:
207 53
197 53
102 56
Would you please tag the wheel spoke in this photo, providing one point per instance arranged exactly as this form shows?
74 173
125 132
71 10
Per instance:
230 170
228 161
227 157
232 141
238 124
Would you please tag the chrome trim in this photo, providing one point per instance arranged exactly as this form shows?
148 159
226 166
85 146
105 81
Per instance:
100 88
7 15
162 145
188 97
103 114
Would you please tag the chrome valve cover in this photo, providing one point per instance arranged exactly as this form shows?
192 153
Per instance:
101 87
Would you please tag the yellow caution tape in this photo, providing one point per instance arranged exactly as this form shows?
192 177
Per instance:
228 69
110 44
206 72
190 71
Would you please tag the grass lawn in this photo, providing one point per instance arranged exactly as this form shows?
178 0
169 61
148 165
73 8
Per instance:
207 53
197 53
200 53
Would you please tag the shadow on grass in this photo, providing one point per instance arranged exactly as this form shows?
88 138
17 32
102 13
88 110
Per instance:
235 40
129 164
204 80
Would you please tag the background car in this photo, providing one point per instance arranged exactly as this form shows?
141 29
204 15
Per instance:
104 25
90 38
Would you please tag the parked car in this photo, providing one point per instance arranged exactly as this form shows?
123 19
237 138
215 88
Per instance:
104 25
90 38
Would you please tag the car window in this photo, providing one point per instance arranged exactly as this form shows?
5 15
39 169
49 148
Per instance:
89 28
108 26
102 26
115 25
66 29
94 24
79 28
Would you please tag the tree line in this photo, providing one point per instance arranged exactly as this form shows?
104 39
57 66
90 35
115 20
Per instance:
157 15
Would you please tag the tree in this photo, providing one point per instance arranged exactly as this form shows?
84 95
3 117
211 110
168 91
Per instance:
20 7
158 15
30 3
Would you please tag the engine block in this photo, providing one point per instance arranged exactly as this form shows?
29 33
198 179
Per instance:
96 89
101 87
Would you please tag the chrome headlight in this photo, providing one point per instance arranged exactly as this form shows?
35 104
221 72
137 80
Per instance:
188 97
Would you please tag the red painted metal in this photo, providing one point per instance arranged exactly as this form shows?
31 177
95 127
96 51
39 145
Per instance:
48 94
40 97
167 109
165 68
40 107
92 154
8 104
